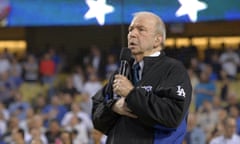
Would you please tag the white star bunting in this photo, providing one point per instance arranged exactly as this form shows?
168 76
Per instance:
190 8
98 9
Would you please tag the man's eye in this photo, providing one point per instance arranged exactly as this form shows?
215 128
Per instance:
130 29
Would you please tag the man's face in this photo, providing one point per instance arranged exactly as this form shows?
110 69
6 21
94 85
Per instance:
142 35
230 127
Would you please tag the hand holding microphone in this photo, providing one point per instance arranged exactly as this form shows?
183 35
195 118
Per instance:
121 85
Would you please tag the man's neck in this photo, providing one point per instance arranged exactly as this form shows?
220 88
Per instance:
138 58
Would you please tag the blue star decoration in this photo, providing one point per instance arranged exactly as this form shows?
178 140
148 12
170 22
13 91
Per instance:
98 9
190 8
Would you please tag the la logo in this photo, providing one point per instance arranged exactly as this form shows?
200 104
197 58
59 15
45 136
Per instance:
180 91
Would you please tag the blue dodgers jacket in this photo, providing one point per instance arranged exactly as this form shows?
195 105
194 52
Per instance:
160 100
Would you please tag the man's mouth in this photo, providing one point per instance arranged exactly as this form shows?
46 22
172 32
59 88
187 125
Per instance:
132 44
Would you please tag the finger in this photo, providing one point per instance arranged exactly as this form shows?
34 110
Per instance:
117 76
127 109
114 85
115 81
120 77
131 115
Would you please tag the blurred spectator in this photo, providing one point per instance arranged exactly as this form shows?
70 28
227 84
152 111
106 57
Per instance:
18 107
12 125
96 59
215 64
224 85
66 137
204 90
4 111
39 103
76 124
67 100
54 132
3 125
91 86
207 118
54 110
15 79
207 68
16 67
195 65
229 136
234 112
30 69
78 78
25 123
232 100
217 103
47 69
219 129
208 52
230 61
111 65
222 114
194 81
5 89
36 141
69 87
37 122
90 70
4 64
76 110
7 54
57 59
17 136
36 135
195 134
97 137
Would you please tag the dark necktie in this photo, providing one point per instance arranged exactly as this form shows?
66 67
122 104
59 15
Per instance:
136 77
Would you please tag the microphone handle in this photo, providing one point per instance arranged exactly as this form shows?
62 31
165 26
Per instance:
123 70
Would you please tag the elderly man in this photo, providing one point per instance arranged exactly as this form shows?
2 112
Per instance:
152 110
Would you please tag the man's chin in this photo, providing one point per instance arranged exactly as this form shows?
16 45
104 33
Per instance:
133 50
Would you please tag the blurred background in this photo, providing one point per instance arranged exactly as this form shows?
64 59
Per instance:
55 54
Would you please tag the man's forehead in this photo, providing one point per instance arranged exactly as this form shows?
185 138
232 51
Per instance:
142 21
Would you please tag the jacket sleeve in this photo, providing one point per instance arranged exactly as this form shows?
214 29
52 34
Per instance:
103 117
167 103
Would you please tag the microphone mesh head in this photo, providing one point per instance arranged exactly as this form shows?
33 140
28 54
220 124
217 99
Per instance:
125 54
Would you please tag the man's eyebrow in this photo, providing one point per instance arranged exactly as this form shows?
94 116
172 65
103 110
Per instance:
136 26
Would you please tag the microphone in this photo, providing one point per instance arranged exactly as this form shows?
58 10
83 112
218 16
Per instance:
125 58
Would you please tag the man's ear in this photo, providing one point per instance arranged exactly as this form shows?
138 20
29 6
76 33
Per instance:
158 40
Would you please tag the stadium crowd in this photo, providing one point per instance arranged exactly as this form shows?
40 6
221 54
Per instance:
44 100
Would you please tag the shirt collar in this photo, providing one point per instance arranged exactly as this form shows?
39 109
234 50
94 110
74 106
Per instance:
141 63
155 54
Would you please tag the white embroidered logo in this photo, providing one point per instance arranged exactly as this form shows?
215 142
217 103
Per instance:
147 88
180 91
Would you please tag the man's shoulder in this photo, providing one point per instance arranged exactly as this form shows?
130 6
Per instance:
173 62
